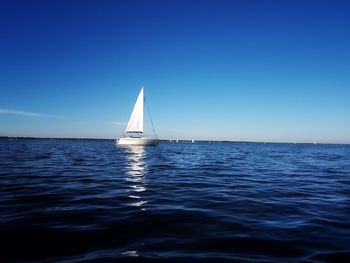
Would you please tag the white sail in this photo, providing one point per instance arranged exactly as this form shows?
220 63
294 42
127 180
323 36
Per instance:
135 123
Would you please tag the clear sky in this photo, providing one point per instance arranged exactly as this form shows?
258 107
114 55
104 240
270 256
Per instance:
227 70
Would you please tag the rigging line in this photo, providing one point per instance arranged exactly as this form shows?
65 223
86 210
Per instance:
150 117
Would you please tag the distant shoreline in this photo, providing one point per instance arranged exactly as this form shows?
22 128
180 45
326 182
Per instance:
161 140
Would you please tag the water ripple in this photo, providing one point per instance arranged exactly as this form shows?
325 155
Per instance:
76 201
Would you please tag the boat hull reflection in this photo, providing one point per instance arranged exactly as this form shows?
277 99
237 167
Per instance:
135 175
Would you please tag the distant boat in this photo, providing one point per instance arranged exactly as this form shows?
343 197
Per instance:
133 134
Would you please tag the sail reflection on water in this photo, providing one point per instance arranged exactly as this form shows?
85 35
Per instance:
135 170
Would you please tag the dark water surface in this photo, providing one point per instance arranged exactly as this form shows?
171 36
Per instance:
79 201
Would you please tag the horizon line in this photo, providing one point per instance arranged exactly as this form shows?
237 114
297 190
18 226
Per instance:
172 140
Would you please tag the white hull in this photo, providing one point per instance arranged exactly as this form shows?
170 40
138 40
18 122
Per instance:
136 141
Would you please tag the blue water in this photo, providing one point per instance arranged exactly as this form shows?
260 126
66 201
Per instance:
78 201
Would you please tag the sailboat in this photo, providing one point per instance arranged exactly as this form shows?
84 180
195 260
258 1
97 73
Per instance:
133 134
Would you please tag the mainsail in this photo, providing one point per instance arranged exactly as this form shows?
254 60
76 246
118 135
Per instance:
135 123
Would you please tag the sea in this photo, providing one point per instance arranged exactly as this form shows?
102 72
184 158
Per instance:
90 201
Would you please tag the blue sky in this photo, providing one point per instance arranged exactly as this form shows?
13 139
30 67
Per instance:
227 70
